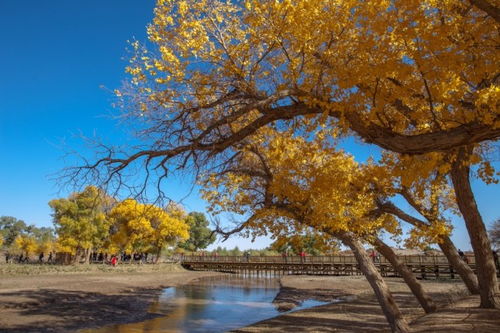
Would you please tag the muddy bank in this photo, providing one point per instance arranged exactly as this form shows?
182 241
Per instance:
295 289
361 312
69 302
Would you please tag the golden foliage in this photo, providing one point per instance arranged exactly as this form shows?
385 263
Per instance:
140 228
408 67
26 245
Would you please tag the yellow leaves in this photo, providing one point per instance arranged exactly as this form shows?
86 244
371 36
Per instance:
183 7
25 244
168 56
142 227
349 56
80 220
133 70
487 173
488 100
423 236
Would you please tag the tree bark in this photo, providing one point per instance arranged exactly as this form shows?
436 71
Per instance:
488 7
462 268
416 288
158 253
384 296
485 265
87 255
446 245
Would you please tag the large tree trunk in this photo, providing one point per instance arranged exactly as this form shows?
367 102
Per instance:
446 245
407 275
384 296
462 268
158 254
485 265
87 255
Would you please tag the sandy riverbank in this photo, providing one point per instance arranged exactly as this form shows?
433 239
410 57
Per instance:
68 300
361 313
64 299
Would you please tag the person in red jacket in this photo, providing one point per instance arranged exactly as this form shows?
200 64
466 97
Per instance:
114 260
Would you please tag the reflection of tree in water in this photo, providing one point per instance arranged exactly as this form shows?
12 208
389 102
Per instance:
198 307
198 297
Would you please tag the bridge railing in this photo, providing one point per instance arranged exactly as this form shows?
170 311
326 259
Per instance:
336 259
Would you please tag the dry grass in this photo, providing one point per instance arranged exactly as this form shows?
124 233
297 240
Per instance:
37 269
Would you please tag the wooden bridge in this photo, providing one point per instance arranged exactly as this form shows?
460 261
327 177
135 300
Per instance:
425 267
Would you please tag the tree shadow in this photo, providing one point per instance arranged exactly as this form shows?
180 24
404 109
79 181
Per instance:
339 317
75 309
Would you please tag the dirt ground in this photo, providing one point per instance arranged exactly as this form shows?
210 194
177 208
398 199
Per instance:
360 311
71 300
65 302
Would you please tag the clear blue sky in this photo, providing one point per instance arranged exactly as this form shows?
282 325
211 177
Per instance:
56 56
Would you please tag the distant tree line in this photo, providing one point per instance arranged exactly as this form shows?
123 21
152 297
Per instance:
91 221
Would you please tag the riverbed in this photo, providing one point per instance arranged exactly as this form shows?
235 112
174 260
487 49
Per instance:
212 304
65 299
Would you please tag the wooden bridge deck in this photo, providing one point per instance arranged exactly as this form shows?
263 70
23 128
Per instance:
426 267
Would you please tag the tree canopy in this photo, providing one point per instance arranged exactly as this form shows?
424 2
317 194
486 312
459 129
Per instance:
410 76
200 235
143 228
416 78
80 221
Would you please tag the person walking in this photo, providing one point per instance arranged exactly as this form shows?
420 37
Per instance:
114 260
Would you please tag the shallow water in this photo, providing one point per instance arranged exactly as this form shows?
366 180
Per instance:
214 304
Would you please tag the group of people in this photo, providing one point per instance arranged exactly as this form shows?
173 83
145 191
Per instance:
123 257
94 257
21 259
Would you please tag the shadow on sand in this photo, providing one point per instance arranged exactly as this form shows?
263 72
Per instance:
75 309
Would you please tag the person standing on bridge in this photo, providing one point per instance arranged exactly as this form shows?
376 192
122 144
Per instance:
302 256
463 256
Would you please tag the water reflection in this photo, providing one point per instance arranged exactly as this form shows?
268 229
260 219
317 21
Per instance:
213 304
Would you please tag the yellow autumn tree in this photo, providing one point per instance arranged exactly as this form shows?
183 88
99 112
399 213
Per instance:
80 222
143 228
25 244
430 196
287 185
410 76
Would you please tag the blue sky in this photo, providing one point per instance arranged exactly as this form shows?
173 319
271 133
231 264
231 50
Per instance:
56 57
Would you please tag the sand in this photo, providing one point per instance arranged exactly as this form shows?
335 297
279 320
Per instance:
64 302
68 301
360 311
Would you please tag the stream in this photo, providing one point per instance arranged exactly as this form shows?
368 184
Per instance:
210 304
